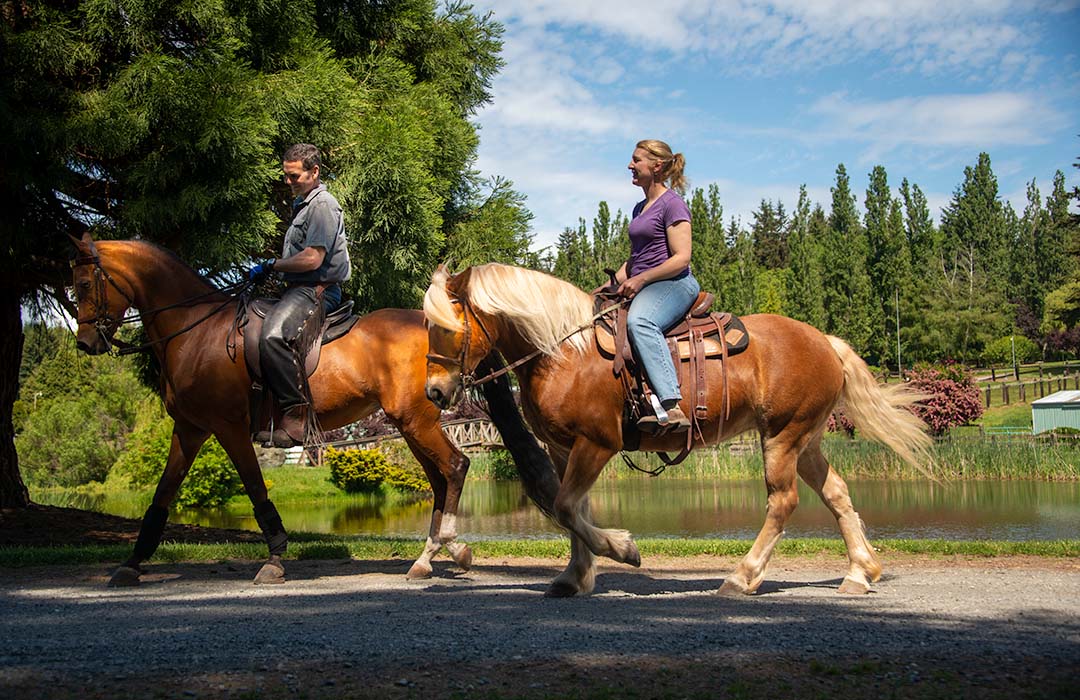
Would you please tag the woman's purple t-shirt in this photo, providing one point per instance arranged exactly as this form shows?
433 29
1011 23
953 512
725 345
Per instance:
648 231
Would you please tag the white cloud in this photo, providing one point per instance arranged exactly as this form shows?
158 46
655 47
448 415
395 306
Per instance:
984 121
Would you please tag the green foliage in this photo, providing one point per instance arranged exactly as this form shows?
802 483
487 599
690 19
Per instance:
365 471
74 413
502 465
211 481
1000 351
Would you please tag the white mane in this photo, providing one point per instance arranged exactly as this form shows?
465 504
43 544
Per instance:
543 309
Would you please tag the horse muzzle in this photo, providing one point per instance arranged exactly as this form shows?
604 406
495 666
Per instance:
91 342
442 395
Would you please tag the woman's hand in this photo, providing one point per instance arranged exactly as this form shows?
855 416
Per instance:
632 286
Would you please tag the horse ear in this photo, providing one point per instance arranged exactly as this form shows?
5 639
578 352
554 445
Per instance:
459 281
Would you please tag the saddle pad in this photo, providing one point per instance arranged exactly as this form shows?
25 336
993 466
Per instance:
735 334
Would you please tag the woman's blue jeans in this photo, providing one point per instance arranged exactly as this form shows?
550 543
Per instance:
656 308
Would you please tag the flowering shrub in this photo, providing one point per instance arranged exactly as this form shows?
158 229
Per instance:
838 420
954 397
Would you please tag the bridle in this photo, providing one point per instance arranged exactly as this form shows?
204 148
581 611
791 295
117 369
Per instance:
468 380
106 324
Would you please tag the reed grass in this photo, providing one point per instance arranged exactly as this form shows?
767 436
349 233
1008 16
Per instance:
316 546
979 458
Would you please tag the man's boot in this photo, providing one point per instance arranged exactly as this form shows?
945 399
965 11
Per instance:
290 432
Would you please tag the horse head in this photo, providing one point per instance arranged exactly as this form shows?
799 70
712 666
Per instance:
458 337
101 302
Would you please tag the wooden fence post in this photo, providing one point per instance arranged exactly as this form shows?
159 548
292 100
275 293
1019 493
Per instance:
988 397
1005 394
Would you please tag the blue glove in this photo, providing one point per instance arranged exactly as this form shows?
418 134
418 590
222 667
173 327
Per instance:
261 270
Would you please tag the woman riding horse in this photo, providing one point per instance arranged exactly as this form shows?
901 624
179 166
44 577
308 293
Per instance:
784 385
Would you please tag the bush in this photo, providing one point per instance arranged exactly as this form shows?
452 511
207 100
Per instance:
211 481
1000 351
954 397
365 471
68 443
502 465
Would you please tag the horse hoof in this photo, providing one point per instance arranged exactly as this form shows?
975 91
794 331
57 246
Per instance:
733 589
560 589
852 587
271 572
418 570
461 554
124 577
633 557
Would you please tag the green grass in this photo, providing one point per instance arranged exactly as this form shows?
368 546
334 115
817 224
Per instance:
317 546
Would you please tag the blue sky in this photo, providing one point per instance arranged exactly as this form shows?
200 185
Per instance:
762 97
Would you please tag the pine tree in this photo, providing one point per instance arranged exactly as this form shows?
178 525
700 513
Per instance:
1051 241
922 238
710 252
769 234
805 299
846 283
1025 288
888 261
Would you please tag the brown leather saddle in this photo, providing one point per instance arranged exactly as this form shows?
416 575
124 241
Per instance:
702 336
335 324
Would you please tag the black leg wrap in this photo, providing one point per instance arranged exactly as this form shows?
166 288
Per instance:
272 528
153 525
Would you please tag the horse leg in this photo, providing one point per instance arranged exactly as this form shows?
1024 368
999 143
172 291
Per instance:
445 467
586 460
580 574
864 566
186 441
236 441
780 468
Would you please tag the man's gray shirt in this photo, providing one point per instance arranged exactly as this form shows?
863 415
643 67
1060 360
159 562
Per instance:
317 221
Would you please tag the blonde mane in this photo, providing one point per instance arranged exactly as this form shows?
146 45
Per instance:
543 309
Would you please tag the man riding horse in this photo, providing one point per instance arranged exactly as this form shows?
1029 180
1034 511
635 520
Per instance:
314 262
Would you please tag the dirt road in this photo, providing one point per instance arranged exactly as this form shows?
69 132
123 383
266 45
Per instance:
1004 628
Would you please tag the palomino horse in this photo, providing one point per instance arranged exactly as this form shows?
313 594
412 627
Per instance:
784 385
205 387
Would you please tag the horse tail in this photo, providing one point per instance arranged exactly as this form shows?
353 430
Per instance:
533 463
880 412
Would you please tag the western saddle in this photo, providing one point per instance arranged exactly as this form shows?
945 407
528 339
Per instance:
701 336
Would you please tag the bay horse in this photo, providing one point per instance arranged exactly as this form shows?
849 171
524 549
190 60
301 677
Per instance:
784 385
206 386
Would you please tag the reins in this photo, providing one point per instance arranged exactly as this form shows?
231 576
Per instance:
103 319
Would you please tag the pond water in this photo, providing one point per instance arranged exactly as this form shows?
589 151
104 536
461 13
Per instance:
671 507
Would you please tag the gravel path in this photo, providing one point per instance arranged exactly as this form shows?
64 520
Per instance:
932 628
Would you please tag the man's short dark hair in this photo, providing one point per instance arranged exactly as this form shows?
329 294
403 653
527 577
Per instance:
307 154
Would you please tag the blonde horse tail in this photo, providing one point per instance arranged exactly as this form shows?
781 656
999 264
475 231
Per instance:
880 412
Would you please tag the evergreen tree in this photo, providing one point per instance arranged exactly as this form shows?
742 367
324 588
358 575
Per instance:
1025 288
806 301
1051 252
574 258
922 238
769 234
736 289
975 268
888 261
167 121
494 228
710 251
846 284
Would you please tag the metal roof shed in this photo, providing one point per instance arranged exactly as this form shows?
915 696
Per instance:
1059 410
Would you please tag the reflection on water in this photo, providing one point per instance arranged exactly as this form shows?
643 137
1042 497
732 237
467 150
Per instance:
668 507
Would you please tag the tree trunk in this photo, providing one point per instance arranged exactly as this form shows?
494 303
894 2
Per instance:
13 493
